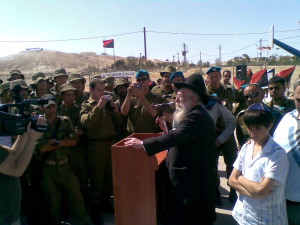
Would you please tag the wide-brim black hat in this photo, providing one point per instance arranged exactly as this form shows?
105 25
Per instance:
195 82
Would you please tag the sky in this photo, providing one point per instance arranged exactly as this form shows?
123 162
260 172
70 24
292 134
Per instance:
201 25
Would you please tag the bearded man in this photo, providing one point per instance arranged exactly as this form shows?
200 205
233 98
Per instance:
191 156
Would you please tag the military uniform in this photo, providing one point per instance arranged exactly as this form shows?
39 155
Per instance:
288 105
5 99
101 133
77 154
139 120
58 178
81 97
228 94
159 90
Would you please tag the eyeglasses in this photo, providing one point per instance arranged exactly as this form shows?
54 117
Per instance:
253 95
274 88
141 79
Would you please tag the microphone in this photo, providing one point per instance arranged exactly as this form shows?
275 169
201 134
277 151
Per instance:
163 105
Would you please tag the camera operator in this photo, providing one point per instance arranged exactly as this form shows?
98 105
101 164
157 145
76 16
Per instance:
138 105
100 117
13 162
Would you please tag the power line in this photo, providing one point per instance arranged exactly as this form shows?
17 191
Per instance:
79 39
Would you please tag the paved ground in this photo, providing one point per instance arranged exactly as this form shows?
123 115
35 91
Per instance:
223 214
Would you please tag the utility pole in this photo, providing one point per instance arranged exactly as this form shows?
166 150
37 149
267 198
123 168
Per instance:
145 47
200 63
260 53
184 53
178 57
37 66
220 54
173 58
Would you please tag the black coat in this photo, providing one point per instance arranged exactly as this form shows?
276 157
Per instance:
192 168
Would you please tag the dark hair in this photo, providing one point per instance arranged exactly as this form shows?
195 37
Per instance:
277 80
226 71
257 118
94 82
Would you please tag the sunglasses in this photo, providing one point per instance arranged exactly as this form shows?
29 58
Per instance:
141 79
254 95
227 75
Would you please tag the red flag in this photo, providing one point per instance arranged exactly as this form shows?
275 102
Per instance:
260 77
287 74
238 83
249 76
108 43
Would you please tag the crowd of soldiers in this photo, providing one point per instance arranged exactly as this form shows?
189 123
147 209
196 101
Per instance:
70 174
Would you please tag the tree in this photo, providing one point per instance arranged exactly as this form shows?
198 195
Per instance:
132 63
120 64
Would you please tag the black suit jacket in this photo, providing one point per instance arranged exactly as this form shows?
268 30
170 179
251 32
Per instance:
192 168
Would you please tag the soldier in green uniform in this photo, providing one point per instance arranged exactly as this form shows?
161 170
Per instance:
5 93
165 90
120 89
77 154
15 75
276 90
58 178
78 82
138 106
226 78
60 77
226 94
100 116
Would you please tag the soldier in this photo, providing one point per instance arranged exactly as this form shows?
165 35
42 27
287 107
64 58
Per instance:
226 78
77 154
228 95
60 77
78 82
99 117
120 90
58 178
138 106
5 93
39 86
279 100
165 90
15 75
109 83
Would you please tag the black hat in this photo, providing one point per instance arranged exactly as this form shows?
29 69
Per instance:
195 82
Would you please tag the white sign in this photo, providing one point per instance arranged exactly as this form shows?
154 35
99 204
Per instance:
119 74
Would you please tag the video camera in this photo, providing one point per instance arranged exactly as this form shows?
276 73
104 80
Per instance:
15 124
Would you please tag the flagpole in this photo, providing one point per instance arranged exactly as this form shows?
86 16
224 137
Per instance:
114 58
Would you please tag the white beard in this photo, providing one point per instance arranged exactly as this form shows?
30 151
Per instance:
181 111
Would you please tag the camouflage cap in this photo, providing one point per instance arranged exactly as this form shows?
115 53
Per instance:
75 76
109 81
168 69
17 72
51 98
66 87
5 86
38 77
120 81
19 82
60 72
96 76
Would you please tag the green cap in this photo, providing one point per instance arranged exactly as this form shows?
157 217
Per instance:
109 81
120 81
66 87
75 76
168 69
60 72
51 99
5 86
17 72
96 76
20 82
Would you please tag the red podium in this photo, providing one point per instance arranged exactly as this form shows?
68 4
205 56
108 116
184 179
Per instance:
134 183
